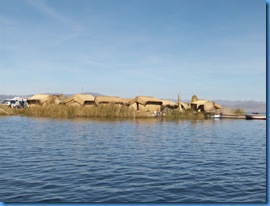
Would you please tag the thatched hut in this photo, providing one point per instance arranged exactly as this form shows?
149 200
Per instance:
205 106
80 100
198 105
105 100
39 99
168 104
146 103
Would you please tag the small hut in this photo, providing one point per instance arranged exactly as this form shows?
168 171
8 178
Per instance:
205 106
146 103
198 105
169 104
39 99
105 100
80 100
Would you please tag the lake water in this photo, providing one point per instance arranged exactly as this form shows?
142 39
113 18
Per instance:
82 160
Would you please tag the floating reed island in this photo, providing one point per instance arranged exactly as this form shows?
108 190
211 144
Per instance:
86 105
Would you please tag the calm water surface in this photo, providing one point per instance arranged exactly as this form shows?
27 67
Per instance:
51 160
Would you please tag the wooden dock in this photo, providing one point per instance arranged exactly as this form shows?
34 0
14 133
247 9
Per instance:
233 116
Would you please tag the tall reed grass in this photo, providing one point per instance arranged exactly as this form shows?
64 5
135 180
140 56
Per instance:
187 114
104 111
101 111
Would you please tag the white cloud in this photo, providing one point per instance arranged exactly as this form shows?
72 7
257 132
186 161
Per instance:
45 9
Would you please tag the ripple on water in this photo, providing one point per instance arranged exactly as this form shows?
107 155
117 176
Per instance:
45 160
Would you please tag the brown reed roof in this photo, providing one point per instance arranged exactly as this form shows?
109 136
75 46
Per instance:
217 106
143 100
200 102
126 101
168 102
185 105
81 98
111 99
208 106
57 99
194 98
41 98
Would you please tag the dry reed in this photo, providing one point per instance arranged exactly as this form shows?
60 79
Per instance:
101 111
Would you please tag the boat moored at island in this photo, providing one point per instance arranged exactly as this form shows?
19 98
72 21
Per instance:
256 116
216 116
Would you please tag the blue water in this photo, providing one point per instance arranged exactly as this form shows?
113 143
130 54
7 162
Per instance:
82 160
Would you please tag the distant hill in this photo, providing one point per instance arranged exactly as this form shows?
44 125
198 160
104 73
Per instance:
3 97
248 106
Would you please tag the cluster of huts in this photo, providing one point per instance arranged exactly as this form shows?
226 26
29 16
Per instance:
139 103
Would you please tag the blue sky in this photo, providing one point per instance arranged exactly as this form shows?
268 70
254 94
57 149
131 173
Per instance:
212 48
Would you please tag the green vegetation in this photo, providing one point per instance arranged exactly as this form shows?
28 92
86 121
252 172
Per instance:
187 114
239 111
233 111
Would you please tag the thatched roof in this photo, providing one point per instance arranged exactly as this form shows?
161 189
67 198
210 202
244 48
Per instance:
208 106
57 99
126 101
194 98
217 106
143 100
80 98
200 102
41 98
184 105
111 99
168 102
